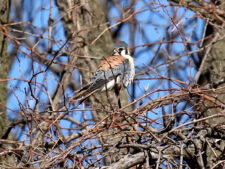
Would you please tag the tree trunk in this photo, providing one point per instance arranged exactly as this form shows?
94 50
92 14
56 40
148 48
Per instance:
211 73
91 18
5 64
210 76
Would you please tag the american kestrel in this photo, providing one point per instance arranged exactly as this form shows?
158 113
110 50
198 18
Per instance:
116 70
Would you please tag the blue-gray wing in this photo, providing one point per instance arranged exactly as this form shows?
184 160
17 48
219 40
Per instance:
124 70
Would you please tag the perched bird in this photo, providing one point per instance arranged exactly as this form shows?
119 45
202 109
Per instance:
114 71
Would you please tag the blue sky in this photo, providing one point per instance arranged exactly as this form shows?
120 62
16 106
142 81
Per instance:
39 12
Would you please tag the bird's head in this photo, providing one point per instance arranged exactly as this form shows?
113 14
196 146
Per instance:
121 48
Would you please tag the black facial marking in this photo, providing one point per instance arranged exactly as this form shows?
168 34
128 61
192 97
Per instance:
126 51
121 49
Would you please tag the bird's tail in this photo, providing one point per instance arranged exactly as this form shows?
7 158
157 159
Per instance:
83 93
89 90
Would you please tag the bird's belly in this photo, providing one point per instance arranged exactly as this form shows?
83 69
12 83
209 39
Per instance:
111 84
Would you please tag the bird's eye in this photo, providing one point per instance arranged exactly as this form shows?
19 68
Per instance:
121 49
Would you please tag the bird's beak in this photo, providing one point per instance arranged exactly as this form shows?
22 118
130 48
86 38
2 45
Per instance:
128 50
